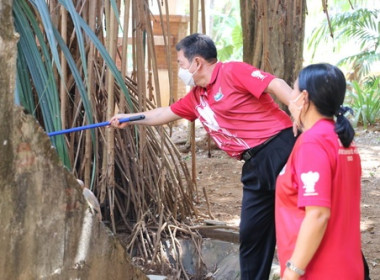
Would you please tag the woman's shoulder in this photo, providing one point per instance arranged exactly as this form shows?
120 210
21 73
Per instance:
322 133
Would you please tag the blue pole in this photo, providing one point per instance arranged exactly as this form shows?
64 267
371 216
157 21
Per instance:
95 125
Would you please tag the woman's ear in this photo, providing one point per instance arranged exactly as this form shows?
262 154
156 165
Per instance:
306 96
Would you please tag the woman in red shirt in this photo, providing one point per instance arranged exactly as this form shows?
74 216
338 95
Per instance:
318 190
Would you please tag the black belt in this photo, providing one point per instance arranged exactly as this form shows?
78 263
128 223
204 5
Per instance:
248 154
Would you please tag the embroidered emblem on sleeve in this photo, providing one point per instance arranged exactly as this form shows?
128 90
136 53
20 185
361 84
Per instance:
257 74
309 180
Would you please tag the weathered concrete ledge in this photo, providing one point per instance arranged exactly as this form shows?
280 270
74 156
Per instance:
46 228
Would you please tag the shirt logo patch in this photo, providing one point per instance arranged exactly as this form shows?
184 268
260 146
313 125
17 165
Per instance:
309 180
218 96
257 74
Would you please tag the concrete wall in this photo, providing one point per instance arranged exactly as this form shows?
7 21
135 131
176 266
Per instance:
46 228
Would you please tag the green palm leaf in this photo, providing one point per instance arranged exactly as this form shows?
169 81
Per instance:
362 26
23 90
36 58
48 27
35 62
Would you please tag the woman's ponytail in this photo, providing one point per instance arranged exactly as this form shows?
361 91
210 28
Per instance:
343 126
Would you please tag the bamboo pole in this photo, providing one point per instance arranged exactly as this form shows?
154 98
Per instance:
203 13
90 88
141 76
124 48
161 169
194 5
62 87
112 35
167 35
103 191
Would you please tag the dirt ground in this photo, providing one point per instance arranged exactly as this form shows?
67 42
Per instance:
219 175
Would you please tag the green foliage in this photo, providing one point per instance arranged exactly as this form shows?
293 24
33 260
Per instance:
232 49
35 65
361 26
226 30
38 61
365 30
364 99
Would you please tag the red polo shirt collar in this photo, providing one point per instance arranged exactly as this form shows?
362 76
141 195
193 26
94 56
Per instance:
214 76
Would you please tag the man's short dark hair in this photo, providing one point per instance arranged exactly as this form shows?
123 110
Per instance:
198 45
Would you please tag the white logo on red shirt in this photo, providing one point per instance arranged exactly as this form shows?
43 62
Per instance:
221 136
257 74
218 96
309 180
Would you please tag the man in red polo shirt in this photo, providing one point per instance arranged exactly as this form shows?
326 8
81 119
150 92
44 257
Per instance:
234 104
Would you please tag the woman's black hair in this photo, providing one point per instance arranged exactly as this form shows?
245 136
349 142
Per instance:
326 86
198 44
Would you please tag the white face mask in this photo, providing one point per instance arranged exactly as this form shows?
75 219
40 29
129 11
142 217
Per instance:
186 76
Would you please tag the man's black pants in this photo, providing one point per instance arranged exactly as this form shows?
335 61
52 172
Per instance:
257 227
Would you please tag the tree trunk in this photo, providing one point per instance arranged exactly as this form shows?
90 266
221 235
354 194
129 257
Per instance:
273 35
8 41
